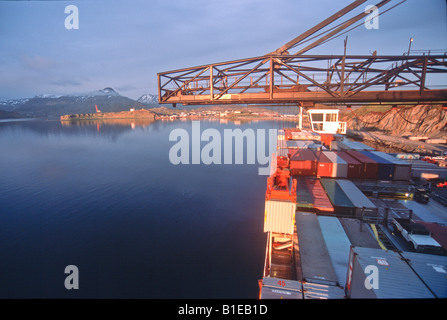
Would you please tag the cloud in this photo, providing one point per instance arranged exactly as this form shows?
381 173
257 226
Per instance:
124 46
125 87
67 82
37 63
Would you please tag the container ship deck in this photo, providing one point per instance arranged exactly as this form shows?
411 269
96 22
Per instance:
330 207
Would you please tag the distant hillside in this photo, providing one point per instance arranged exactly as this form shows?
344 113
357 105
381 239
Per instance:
430 121
52 106
9 115
107 100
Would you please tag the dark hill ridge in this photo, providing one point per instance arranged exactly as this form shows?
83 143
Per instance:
9 115
53 107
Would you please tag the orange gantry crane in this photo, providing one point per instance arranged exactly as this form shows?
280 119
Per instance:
281 78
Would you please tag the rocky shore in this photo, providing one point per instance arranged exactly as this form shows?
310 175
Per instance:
407 129
422 120
398 143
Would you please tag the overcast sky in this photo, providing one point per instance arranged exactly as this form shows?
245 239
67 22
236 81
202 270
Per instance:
123 44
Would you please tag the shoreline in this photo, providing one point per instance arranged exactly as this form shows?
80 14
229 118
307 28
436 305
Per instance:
396 142
131 115
146 114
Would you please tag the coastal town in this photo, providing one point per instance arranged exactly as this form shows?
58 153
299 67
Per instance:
227 113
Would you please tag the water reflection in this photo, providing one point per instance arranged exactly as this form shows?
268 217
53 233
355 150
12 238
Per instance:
132 123
103 195
108 129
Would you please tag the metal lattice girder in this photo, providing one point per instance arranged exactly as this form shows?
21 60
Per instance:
330 79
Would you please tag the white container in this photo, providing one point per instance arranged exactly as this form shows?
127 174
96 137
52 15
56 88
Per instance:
279 216
316 264
276 288
337 243
340 166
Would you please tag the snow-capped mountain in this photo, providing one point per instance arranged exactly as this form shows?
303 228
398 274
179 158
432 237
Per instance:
53 106
11 104
149 99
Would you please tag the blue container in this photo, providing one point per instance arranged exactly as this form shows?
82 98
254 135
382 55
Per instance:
386 168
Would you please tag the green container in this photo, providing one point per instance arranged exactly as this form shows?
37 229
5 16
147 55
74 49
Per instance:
303 197
339 199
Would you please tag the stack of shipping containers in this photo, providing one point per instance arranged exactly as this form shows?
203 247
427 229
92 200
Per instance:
385 168
364 206
303 162
402 169
304 200
339 200
394 277
297 134
281 144
316 264
427 170
339 166
334 146
289 289
338 245
291 144
333 263
354 145
370 168
431 269
282 152
354 170
325 167
321 202
306 144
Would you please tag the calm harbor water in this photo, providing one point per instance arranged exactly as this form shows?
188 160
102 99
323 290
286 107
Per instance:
105 198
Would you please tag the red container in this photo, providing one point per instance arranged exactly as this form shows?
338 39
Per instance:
370 168
354 166
303 162
324 165
321 200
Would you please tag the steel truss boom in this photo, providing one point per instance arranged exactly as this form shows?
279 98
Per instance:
279 79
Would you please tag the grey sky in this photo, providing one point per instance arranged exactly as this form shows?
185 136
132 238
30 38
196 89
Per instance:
123 44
